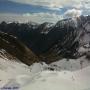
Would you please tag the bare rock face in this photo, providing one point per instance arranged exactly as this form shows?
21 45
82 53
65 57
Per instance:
16 49
88 55
69 38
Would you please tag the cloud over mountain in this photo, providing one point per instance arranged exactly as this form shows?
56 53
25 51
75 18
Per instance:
73 13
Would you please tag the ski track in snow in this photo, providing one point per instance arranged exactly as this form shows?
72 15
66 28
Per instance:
68 75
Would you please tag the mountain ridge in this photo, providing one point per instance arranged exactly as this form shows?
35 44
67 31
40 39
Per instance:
50 42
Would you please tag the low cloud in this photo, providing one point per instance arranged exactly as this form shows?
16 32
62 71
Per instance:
73 13
35 17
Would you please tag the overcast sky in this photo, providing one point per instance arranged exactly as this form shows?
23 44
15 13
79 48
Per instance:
42 10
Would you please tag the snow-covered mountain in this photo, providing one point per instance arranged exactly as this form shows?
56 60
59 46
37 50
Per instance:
45 56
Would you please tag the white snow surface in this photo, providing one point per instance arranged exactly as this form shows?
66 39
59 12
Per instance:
67 75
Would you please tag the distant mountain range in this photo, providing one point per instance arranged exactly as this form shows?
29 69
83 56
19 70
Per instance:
48 42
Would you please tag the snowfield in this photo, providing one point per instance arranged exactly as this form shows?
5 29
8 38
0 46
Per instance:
67 75
64 80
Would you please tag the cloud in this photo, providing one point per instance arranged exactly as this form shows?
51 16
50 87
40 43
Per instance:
57 4
73 13
35 17
48 3
52 4
74 8
86 4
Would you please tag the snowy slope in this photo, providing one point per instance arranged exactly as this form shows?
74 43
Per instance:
67 75
64 80
10 70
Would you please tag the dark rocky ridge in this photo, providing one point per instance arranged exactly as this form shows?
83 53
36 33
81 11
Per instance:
16 49
68 38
